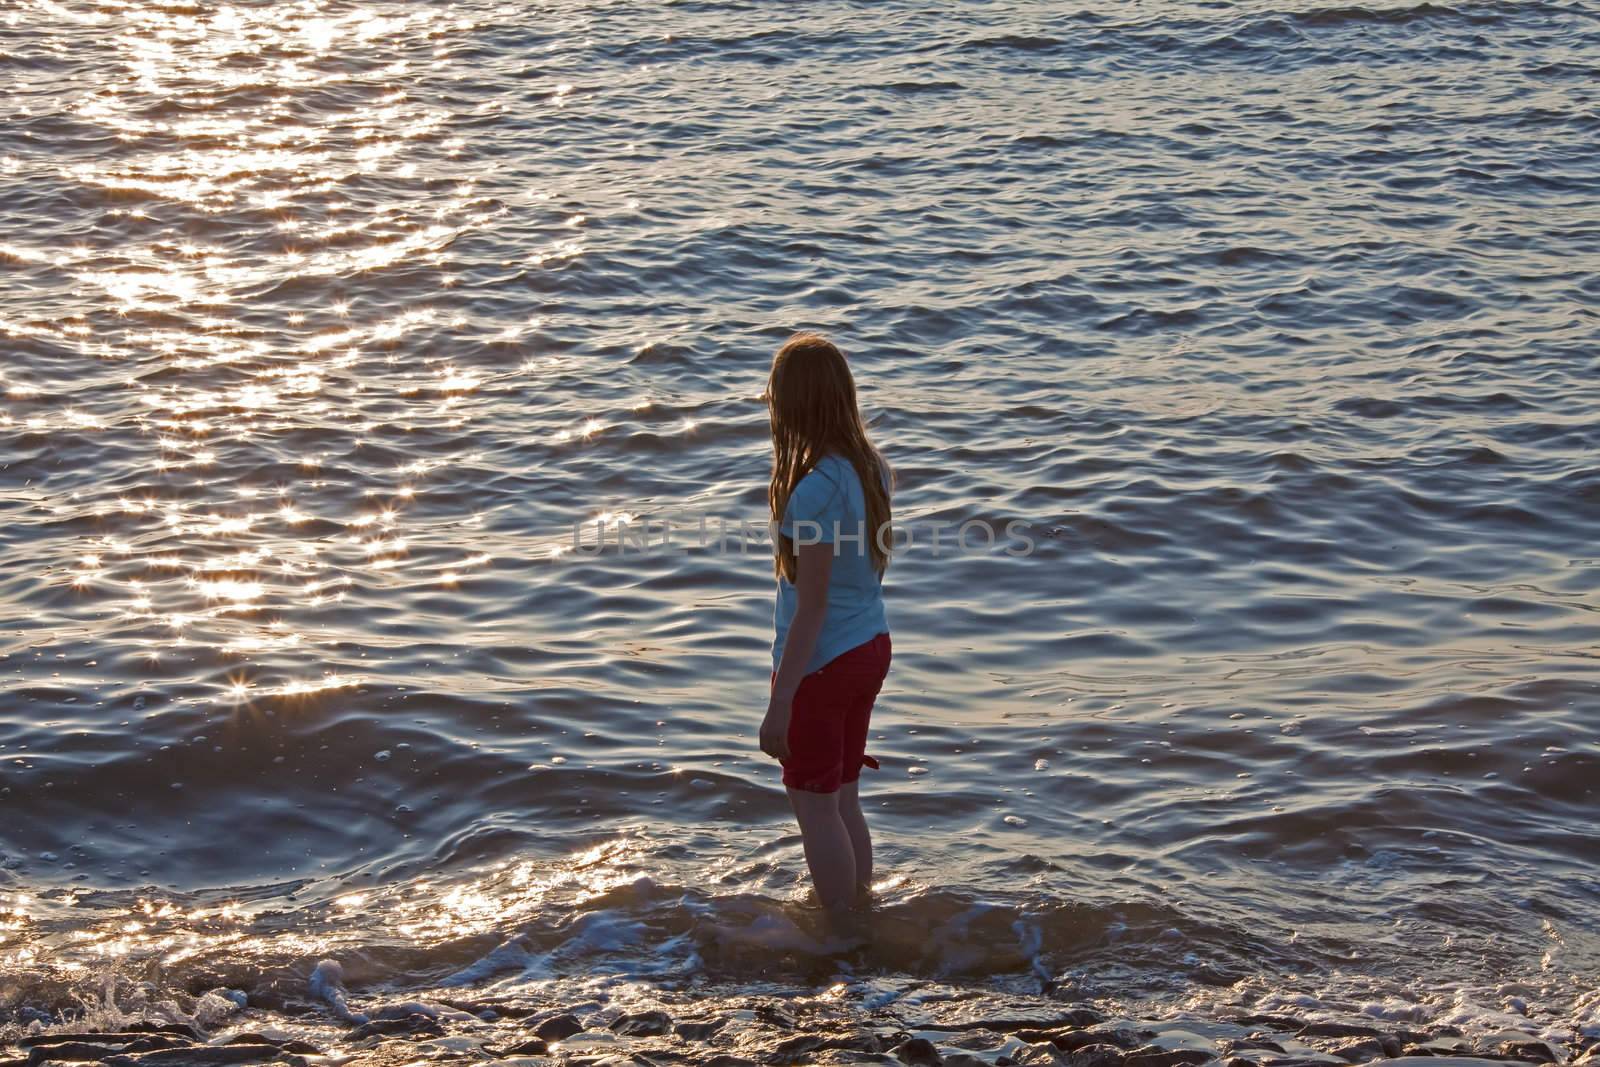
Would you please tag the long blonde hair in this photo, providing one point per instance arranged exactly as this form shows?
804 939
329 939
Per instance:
811 402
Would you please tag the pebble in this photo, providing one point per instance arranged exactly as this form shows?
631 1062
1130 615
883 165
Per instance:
1533 1051
698 1030
559 1028
793 1047
286 1044
1251 1044
1285 1023
414 1024
1439 1046
919 1051
643 1024
125 1040
1156 1056
533 1046
1100 1055
1368 1048
71 1051
199 1056
1328 1029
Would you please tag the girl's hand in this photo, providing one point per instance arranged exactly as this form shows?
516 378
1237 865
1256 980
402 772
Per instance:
775 727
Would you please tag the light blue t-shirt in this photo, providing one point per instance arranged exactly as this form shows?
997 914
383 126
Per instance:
830 496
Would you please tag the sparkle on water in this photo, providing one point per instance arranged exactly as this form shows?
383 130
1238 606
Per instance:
300 255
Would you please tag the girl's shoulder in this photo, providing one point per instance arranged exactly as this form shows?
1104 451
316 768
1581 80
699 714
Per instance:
832 468
824 480
835 470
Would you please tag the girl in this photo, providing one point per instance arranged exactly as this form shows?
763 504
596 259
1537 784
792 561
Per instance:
829 498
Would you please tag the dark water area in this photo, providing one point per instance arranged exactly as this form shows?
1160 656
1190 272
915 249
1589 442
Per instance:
1274 324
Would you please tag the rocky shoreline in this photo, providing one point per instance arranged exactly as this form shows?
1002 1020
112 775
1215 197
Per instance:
223 1029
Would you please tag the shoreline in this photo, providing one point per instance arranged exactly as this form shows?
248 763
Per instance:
842 1023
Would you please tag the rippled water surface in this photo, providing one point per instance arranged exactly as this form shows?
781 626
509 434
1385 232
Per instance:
324 323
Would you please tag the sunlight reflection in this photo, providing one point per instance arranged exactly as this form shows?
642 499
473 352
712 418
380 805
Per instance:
516 890
261 379
496 899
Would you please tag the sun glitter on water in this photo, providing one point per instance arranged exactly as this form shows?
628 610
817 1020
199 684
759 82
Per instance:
247 360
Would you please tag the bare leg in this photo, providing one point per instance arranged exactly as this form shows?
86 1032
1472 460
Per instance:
829 851
855 824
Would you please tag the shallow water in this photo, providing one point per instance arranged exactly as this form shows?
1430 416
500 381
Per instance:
325 323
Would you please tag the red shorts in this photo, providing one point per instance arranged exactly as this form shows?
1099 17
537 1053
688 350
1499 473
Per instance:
828 724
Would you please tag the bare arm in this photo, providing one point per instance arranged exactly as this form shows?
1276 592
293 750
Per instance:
813 566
